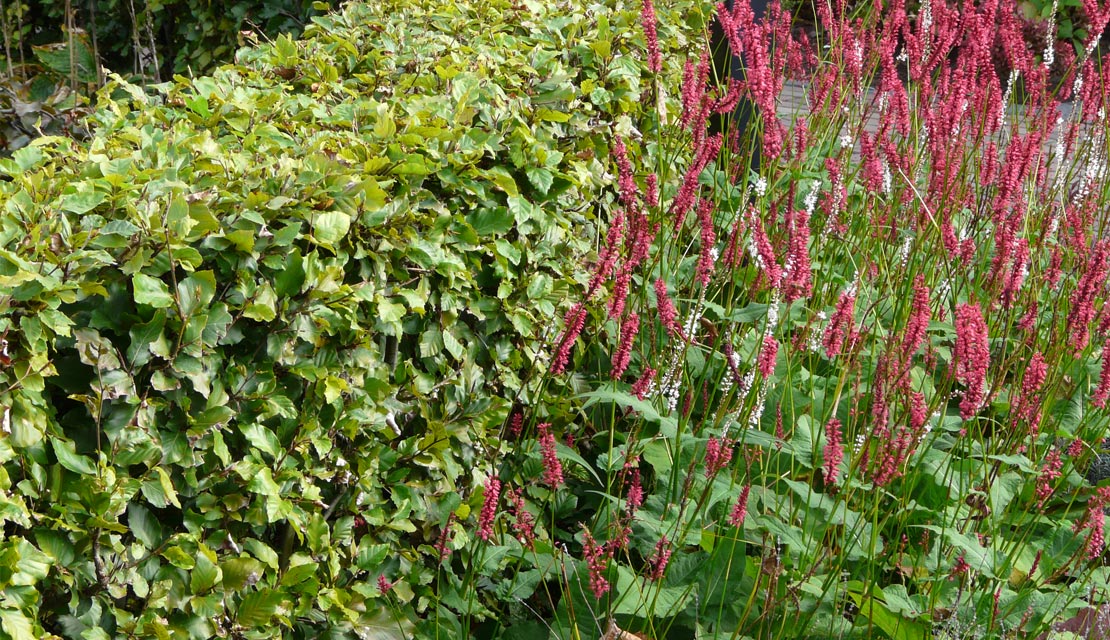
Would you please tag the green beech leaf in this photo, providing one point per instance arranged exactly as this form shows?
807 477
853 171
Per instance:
330 227
206 573
262 551
151 291
290 280
83 201
196 291
17 625
491 221
263 483
540 178
33 565
258 608
142 337
71 460
167 486
178 557
240 572
145 526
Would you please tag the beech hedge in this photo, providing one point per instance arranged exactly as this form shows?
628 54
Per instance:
258 329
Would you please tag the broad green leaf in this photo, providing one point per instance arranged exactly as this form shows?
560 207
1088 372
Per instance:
70 459
167 486
290 280
240 572
262 438
33 565
540 178
298 574
330 227
214 417
895 626
95 350
503 179
27 422
16 625
263 307
566 453
56 321
258 608
389 311
491 221
179 558
752 312
73 57
56 545
668 424
145 526
204 221
151 291
177 216
981 559
263 483
143 335
551 115
453 346
206 573
334 388
644 598
195 292
262 551
83 201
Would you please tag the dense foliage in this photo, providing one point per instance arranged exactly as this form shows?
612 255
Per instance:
262 327
157 36
53 50
280 349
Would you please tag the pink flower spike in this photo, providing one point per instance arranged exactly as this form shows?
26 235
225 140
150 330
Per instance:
918 324
1027 408
1091 283
626 183
833 452
652 196
635 498
799 279
1049 473
597 562
668 315
740 509
718 453
607 259
642 385
707 258
647 19
1095 521
629 328
489 509
972 356
761 251
1102 393
384 585
660 556
574 322
767 356
840 324
523 523
552 468
695 77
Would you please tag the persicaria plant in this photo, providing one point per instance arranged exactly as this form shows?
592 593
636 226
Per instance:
855 392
